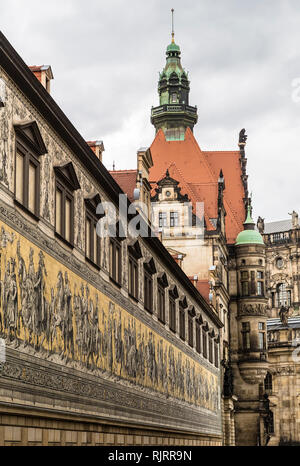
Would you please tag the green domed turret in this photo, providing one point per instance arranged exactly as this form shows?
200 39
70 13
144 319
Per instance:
174 113
249 235
173 48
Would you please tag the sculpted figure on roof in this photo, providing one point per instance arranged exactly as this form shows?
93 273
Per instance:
295 220
242 136
261 224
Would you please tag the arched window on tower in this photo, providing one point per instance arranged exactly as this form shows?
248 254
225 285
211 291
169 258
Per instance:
268 383
283 296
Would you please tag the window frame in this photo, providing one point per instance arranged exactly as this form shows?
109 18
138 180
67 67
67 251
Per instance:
162 219
66 194
134 254
173 295
246 341
66 182
162 284
92 216
29 157
149 271
204 343
114 245
198 335
174 219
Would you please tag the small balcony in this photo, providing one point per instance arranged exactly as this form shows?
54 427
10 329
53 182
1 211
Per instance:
173 108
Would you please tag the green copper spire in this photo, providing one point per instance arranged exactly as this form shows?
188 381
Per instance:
249 235
174 113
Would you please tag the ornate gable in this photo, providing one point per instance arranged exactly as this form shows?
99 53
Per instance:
30 134
68 175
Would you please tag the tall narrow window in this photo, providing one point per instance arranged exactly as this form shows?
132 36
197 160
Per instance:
68 218
181 323
149 270
216 353
260 283
115 255
204 343
172 314
246 335
198 337
261 336
268 382
245 283
190 329
58 210
19 191
173 98
162 219
173 295
92 240
134 254
27 175
133 279
162 283
29 147
66 183
173 219
283 296
210 349
161 304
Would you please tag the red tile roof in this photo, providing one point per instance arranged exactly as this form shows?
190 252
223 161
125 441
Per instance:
126 179
197 172
203 288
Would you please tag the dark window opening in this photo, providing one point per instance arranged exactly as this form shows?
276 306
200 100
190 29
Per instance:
204 343
198 338
190 330
181 323
172 314
115 260
246 335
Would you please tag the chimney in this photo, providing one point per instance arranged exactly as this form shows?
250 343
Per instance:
97 147
44 74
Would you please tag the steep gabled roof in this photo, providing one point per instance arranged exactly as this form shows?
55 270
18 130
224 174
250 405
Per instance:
126 179
198 173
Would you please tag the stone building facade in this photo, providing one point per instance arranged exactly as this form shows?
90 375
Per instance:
282 240
107 340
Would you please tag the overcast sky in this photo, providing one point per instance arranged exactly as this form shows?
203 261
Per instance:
243 59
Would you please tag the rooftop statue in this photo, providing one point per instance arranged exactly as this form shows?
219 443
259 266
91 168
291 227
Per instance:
283 315
242 136
295 220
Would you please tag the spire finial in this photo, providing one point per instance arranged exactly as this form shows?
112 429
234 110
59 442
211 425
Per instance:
172 11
